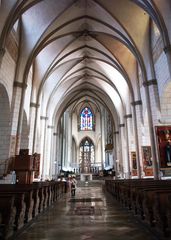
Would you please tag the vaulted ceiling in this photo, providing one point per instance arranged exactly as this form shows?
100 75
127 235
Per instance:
82 48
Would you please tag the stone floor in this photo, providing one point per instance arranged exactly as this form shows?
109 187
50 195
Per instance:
91 215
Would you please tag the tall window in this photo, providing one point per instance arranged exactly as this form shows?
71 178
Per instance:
86 119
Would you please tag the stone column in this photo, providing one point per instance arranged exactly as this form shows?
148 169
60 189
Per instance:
128 117
116 146
69 133
102 141
20 116
49 158
136 119
43 139
65 140
16 117
151 84
62 143
154 97
59 147
122 159
33 110
56 152
152 134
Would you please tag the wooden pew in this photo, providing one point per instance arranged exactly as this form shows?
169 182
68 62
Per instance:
138 193
28 196
161 211
23 202
20 206
150 199
8 214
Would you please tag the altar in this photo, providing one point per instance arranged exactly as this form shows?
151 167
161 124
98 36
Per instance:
85 166
86 177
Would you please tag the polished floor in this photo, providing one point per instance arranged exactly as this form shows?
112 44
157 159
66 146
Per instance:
91 215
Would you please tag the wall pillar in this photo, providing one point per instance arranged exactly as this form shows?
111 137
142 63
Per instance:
33 109
20 115
63 136
16 118
116 147
56 148
154 97
69 137
65 140
123 150
127 122
152 134
136 114
102 140
42 145
49 159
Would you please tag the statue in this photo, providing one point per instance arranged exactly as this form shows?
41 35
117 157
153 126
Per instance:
168 151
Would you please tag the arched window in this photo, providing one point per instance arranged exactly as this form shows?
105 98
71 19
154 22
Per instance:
86 122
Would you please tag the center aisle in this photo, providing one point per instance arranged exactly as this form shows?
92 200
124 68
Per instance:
91 215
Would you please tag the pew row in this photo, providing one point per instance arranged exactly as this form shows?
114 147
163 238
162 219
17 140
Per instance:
149 199
21 203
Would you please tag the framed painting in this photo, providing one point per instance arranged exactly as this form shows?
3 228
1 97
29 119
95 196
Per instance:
134 163
147 160
163 135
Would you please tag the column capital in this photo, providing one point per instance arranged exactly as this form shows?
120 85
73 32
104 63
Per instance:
43 118
138 102
116 132
36 105
50 126
150 82
121 125
128 116
167 49
20 85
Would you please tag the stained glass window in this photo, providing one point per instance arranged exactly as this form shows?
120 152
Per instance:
86 119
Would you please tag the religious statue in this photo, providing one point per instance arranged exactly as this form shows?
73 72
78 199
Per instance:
168 151
147 162
167 134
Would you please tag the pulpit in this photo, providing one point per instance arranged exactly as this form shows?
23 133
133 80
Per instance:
23 167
